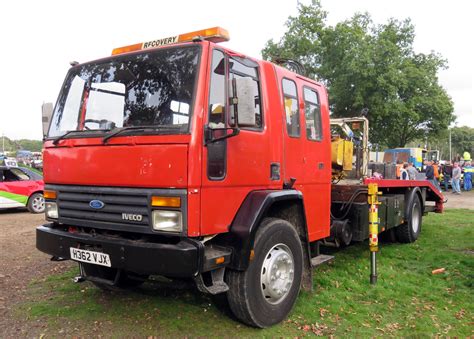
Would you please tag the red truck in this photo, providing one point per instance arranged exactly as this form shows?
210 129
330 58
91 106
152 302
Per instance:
181 158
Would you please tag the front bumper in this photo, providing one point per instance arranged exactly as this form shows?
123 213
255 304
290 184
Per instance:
187 258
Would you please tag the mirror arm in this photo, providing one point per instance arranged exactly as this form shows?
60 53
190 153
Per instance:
235 102
208 134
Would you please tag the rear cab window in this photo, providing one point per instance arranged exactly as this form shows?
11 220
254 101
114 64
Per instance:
312 113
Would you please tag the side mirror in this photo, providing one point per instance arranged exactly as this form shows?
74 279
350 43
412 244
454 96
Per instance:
245 103
47 112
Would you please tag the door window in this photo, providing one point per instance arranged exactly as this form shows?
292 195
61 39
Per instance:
292 116
238 70
14 174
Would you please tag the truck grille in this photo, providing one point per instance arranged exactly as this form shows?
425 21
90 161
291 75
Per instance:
124 209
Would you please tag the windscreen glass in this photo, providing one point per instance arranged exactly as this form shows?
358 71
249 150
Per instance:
148 89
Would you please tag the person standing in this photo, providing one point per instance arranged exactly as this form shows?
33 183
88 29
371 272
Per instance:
429 172
412 171
447 174
466 156
468 172
436 173
456 178
399 168
404 172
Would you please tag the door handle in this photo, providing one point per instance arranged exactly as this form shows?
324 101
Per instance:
320 165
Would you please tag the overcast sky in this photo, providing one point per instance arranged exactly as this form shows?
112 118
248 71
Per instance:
40 38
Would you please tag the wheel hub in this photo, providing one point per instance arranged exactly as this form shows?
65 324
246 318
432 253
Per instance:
277 273
38 203
415 220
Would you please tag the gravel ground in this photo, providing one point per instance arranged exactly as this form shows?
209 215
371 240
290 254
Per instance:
20 263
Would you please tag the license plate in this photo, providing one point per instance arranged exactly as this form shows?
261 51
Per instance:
90 257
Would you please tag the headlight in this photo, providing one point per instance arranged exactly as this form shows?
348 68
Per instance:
51 210
167 221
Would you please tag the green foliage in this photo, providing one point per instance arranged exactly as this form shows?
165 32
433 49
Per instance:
370 66
408 300
462 140
22 144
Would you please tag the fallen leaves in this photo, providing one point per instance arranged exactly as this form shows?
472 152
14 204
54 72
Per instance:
316 329
460 314
322 312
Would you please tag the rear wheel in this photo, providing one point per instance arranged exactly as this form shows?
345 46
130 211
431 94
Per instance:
411 229
265 293
125 279
36 203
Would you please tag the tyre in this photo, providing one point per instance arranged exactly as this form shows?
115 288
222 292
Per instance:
36 203
126 279
411 229
265 293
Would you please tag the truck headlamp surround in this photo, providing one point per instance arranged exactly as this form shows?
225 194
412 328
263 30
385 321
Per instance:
51 210
167 221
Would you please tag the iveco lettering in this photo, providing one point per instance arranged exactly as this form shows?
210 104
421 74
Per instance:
213 167
134 217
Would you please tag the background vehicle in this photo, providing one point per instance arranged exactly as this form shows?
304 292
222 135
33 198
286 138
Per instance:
413 154
181 158
20 187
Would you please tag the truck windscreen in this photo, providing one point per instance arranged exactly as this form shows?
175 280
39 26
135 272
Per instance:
147 89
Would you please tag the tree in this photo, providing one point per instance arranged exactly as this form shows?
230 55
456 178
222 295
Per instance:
370 66
462 140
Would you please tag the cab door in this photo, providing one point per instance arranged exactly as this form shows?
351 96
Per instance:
316 160
239 164
306 145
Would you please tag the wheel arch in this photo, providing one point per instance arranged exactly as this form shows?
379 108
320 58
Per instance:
285 204
34 192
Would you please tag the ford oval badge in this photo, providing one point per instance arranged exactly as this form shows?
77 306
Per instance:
96 204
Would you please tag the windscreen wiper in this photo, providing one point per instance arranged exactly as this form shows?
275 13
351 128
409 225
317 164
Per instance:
58 139
116 132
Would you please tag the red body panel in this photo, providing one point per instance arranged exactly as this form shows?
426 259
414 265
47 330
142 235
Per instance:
432 193
406 183
26 187
117 164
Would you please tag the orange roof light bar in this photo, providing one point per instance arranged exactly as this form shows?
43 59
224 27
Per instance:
214 34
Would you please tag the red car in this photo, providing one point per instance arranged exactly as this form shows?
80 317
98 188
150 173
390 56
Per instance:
20 187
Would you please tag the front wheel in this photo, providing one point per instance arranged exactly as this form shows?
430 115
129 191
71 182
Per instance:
265 293
36 203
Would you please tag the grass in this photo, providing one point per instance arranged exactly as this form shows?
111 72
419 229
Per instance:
408 299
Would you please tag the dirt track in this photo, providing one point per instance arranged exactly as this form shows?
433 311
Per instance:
20 263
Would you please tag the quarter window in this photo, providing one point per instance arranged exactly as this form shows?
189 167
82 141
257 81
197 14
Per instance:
216 152
291 108
217 93
312 114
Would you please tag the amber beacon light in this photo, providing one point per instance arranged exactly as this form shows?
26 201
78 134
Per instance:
214 34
